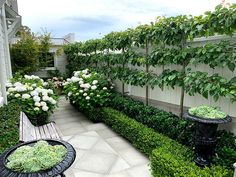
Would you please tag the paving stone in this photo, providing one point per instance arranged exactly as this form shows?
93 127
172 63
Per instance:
96 162
119 165
103 146
72 131
106 133
133 156
66 138
119 143
81 173
90 133
97 126
140 171
83 142
120 174
71 125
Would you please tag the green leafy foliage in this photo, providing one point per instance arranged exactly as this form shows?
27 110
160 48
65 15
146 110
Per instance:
207 112
41 156
30 52
9 126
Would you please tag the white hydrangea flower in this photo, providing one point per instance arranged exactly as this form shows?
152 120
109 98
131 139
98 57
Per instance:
8 84
26 96
87 98
39 90
111 87
45 84
36 98
17 84
94 82
77 73
20 88
34 85
65 83
45 108
45 93
94 87
85 71
70 93
86 75
27 77
81 82
42 103
36 109
17 95
34 93
104 88
37 104
53 101
45 98
30 88
50 91
68 80
11 89
85 94
75 79
87 85
81 91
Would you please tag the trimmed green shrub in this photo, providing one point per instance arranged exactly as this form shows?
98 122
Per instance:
162 121
9 126
177 129
169 157
169 162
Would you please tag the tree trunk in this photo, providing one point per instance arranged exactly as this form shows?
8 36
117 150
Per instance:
182 89
147 70
123 66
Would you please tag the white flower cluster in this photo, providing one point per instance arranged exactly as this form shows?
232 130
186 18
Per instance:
40 96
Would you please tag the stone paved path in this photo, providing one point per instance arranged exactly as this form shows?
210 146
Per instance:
100 151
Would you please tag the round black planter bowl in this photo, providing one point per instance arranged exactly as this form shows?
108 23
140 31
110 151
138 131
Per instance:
205 137
54 171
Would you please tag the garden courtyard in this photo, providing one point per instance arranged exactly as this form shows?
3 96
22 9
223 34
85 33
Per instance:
154 100
100 151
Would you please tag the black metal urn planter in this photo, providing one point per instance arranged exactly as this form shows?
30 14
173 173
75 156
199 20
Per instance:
54 171
205 136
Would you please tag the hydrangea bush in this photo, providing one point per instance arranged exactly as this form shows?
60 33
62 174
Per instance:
34 96
88 90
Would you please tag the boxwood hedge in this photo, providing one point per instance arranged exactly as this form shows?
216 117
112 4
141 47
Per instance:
9 126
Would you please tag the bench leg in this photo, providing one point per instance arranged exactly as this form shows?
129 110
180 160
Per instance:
62 175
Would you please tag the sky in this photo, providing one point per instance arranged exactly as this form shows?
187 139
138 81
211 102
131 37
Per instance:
89 19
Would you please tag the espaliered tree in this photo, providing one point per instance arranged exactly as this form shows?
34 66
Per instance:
142 37
122 42
170 38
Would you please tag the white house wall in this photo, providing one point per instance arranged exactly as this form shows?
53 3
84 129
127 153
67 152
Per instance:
4 74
